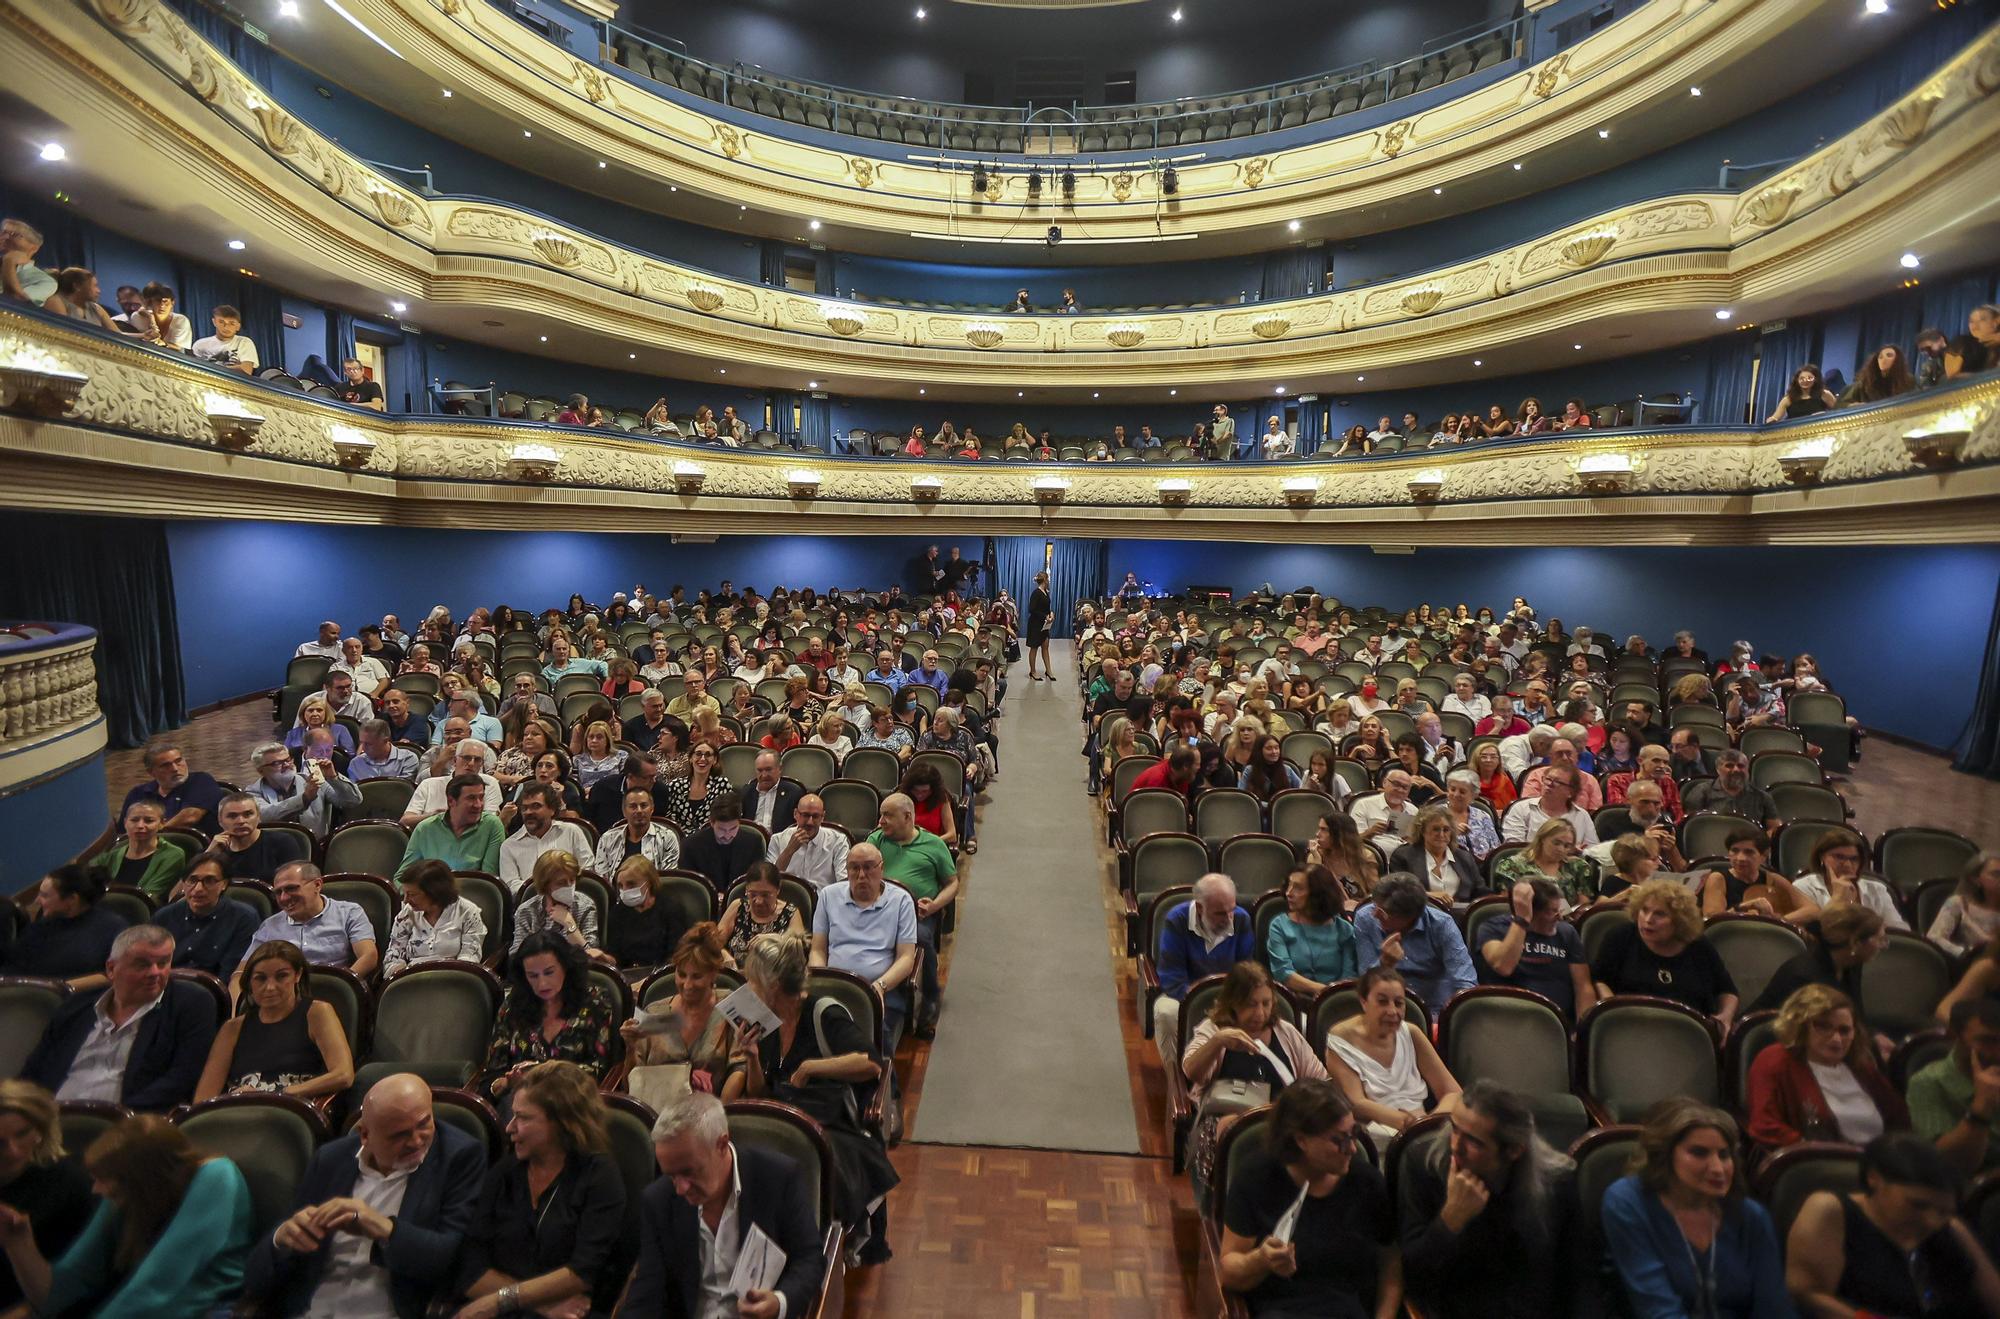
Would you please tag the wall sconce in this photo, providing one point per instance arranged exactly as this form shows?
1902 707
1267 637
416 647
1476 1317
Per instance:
1426 486
1049 491
1300 491
1941 444
926 489
32 385
533 462
350 447
688 479
1175 492
803 484
235 427
1804 464
1605 473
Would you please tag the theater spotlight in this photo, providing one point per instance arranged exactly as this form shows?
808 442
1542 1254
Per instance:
1069 184
979 177
1055 234
1170 182
1035 181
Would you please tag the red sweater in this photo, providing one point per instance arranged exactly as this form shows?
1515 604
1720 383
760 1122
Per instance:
1786 1105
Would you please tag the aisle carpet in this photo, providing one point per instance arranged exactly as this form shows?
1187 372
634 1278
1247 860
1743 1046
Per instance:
1029 1052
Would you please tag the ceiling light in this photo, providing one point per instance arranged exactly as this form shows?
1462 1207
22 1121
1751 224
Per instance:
288 8
1361 377
1577 346
1176 16
545 338
399 307
1281 389
1020 393
1909 261
53 151
920 391
1517 164
602 165
1172 392
673 188
813 225
447 93
632 356
1437 192
1477 362
921 15
1694 91
812 384
722 370
1093 393
1723 313
1604 132
526 133
1293 226
1876 6
236 245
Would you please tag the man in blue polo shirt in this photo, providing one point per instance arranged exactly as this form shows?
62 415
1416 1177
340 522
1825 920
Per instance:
919 861
887 672
328 931
187 798
866 926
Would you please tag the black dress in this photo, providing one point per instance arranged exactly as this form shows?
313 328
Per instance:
863 1174
578 1223
276 1055
58 1201
1937 1280
1038 616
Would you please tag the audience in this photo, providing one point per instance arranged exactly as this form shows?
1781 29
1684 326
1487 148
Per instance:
1820 1080
685 1029
1662 953
1970 917
1310 944
1531 947
551 1012
284 1041
1955 1100
142 859
45 1195
1386 1067
434 923
1204 936
328 931
554 906
210 932
72 933
1238 1058
1401 930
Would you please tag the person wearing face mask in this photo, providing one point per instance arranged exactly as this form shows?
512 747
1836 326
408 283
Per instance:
639 930
378 1217
553 906
1366 699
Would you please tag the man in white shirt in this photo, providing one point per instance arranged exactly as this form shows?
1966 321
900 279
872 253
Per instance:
379 1216
1523 750
370 675
327 646
1466 700
809 850
141 1042
640 836
226 347
340 694
158 323
429 798
540 832
1385 430
1557 802
1387 820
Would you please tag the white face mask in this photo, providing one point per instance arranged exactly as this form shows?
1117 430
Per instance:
564 896
632 897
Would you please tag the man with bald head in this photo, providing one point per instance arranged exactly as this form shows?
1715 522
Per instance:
919 860
379 1216
868 926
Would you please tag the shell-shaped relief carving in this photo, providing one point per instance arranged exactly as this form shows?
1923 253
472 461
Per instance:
862 169
1254 171
702 297
1770 204
845 321
128 17
1421 299
1587 248
284 135
1126 336
558 250
981 335
1395 137
1906 121
396 210
1271 325
1986 69
203 79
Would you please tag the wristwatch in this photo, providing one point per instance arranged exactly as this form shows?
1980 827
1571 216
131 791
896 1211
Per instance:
506 1297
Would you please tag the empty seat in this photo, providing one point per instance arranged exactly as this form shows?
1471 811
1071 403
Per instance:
270 1138
1519 1040
1753 948
1633 1051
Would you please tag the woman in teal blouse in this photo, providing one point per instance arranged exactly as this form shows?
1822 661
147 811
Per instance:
1310 945
168 1240
142 858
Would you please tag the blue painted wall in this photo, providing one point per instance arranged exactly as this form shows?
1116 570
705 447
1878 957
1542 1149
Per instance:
49 823
1782 600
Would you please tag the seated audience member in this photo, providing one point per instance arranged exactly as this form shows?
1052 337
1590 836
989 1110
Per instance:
814 1061
1496 784
550 1215
326 644
1662 953
1655 767
761 909
304 795
404 725
641 930
640 836
1730 793
540 833
1691 760
1646 817
1820 1079
469 757
768 798
168 1239
1894 1247
72 933
188 799
1401 929
1883 376
245 850
1175 771
554 906
1386 1067
141 1041
686 1028
45 1195
605 808
1389 820
228 347
1339 1257
1748 884
1575 416
1833 874
810 850
1955 1100
20 278
142 859
1310 944
1681 1236
1485 1210
873 929
1563 755
921 862
380 757
211 933
706 1178
1557 801
551 1011
1839 943
1806 396
1243 1040
369 674
723 850
283 1041
434 923
1447 870
1204 936
1970 917
157 323
315 717
690 799
1552 855
465 837
76 297
379 1215
329 931
1531 947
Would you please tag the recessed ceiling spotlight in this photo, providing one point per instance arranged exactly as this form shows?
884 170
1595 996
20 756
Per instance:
813 225
812 384
1020 393
1577 346
1093 393
1176 15
920 391
1292 225
1361 377
722 370
1172 392
1477 362
288 8
526 133
1723 313
53 151
1517 164
236 245
1909 261
399 307
1437 192
632 356
447 92
1694 91
1281 389
602 165
1876 6
921 15
1604 132
545 338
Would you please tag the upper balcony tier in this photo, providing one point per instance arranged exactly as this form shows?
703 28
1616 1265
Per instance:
321 222
520 96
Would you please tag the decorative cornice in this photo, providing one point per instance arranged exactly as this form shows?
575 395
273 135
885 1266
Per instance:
139 441
1696 250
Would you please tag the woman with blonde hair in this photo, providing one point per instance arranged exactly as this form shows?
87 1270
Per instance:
1662 953
831 736
686 1028
600 756
555 905
39 1185
1820 1080
1552 854
315 712
168 1240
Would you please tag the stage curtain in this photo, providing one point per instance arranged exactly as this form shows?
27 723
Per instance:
1726 390
1979 748
1077 571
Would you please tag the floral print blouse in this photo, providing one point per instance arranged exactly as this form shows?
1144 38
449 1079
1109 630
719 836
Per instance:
589 1039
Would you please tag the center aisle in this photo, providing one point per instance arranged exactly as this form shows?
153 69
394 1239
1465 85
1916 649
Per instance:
1028 1052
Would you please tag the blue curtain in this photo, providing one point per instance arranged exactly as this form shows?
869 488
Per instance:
1784 353
822 274
409 364
1312 424
112 574
339 337
246 53
1979 748
1725 391
771 263
1947 304
67 238
1293 272
816 423
202 288
1078 570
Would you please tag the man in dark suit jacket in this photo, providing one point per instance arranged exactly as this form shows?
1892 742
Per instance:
93 1048
782 795
605 806
353 1219
705 1176
724 850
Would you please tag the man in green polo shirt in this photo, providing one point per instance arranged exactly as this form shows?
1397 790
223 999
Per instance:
1955 1100
921 862
465 837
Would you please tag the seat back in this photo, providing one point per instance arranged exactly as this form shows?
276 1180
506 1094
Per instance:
852 804
1259 863
1126 772
1602 1156
782 1129
810 766
795 891
950 770
1301 747
82 1121
26 1004
1635 1050
470 1113
1164 861
1902 985
1341 1000
270 1138
1753 948
1784 767
1760 741
383 799
1200 998
1705 834
1909 856
496 908
1151 811
343 991
132 906
1511 1036
1808 801
437 1013
373 895
1791 851
1790 1176
739 763
874 766
1222 813
1243 1141
366 847
690 899
1296 813
1747 1038
254 894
